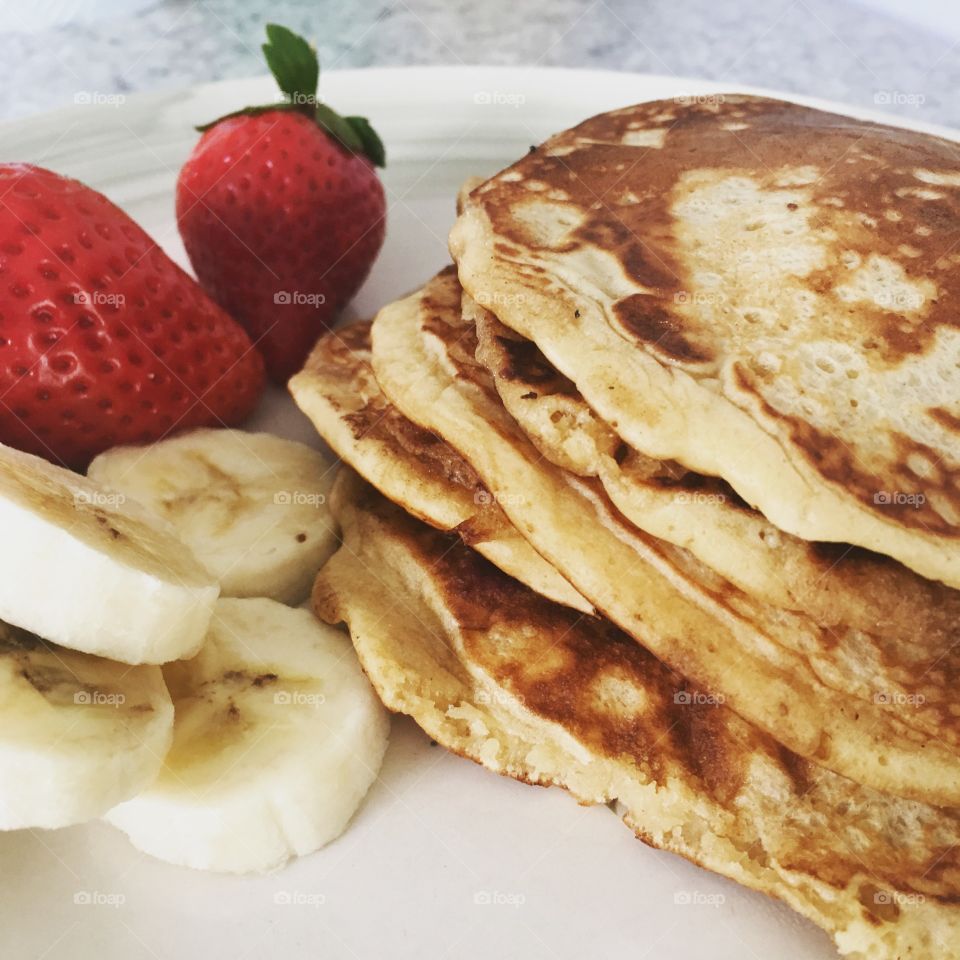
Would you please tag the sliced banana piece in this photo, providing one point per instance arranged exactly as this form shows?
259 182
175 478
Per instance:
78 734
88 570
278 736
251 505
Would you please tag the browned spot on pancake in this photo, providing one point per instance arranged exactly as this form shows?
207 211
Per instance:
643 263
878 905
450 270
433 322
434 452
645 319
670 475
364 421
347 350
701 738
945 418
353 338
382 422
524 363
898 337
834 553
442 294
796 768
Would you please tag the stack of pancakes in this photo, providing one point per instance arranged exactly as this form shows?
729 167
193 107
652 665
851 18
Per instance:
655 495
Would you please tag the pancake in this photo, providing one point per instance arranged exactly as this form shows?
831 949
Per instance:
411 466
773 667
839 587
757 290
534 691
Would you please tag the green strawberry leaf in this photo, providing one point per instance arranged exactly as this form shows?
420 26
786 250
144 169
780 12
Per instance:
294 64
338 128
372 144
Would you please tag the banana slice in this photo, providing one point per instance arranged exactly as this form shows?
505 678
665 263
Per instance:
278 736
251 505
78 734
88 571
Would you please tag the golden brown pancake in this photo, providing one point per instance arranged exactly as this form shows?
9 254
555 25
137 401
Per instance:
838 700
540 693
410 465
754 289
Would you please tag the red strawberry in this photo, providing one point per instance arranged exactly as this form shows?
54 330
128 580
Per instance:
103 339
281 210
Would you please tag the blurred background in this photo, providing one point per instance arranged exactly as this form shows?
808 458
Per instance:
896 55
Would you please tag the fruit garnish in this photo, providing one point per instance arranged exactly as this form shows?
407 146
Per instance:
105 340
281 210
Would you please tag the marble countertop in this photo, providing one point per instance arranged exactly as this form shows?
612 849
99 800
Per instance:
830 48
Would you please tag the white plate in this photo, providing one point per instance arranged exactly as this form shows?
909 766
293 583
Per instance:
443 859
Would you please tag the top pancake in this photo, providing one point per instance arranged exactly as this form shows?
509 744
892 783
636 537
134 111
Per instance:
758 290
